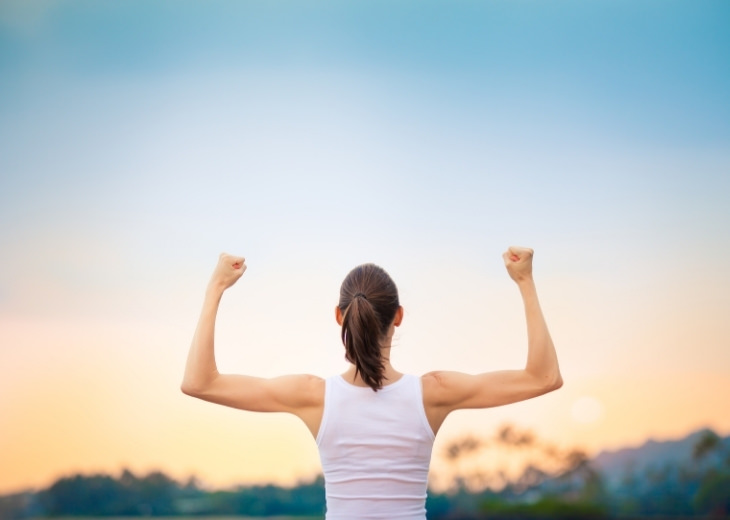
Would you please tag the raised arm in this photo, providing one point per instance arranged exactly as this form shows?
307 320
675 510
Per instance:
200 369
298 394
445 392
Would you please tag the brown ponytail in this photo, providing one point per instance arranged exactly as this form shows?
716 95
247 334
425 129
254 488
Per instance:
368 302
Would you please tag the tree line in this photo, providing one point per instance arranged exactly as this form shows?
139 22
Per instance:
553 484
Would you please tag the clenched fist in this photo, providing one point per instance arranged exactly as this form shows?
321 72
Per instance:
228 271
518 261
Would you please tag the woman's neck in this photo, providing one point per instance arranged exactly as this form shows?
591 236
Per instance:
390 374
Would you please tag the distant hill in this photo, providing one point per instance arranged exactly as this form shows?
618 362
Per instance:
654 456
688 476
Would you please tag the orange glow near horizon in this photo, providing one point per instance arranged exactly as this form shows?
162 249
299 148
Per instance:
76 406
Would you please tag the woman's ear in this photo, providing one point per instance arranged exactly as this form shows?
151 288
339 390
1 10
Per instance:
398 317
338 316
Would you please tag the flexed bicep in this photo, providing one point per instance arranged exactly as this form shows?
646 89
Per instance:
257 394
445 392
299 394
457 390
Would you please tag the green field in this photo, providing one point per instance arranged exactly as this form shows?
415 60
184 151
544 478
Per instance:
194 517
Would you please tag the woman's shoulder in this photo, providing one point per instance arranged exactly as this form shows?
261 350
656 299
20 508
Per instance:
437 386
433 379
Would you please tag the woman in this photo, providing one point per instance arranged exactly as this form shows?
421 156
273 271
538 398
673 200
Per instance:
374 426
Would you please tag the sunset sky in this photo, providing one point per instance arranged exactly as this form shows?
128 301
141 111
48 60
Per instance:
139 139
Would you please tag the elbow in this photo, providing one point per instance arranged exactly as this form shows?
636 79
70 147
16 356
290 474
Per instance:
546 384
197 386
190 389
555 383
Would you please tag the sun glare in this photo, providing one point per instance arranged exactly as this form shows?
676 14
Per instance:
586 410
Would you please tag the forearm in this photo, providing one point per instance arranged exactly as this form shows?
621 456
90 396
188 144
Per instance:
542 360
200 368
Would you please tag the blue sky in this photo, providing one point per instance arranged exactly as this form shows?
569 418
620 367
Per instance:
139 139
430 126
451 105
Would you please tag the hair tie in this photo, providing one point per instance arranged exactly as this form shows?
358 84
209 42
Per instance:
359 294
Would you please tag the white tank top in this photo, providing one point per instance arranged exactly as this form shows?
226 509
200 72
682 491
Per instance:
375 449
